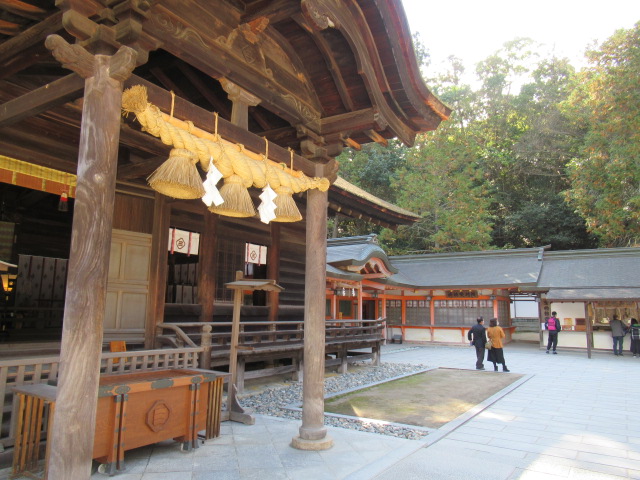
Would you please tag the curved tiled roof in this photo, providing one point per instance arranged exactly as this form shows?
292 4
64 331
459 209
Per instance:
356 251
497 268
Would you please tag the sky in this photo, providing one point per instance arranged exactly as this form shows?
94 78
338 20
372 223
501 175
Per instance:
474 29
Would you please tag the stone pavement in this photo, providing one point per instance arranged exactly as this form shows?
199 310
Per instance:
569 418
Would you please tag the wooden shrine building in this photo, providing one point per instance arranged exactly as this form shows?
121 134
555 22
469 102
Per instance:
247 94
436 298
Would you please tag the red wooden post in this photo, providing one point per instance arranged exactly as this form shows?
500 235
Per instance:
75 414
313 433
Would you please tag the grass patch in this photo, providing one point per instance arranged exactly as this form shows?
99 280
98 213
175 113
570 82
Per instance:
428 399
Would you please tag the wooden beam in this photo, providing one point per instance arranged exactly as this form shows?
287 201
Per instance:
35 35
357 121
352 143
134 171
376 137
42 99
30 145
40 156
204 119
133 138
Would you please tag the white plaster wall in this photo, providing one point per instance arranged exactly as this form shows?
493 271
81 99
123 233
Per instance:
417 335
526 337
601 340
604 340
450 335
523 308
569 310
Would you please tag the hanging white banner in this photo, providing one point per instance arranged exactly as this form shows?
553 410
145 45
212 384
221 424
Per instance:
256 254
182 241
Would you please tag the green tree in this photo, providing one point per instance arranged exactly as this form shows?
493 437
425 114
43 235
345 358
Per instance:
373 168
526 142
442 184
441 181
605 178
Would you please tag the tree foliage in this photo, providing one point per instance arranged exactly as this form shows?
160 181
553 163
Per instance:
605 177
536 154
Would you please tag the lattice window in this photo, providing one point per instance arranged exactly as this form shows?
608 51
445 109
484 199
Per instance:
461 312
418 312
394 312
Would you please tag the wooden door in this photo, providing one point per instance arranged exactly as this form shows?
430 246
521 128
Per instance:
128 286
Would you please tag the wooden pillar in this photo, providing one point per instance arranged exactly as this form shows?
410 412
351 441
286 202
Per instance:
540 319
206 267
241 101
312 433
207 283
75 414
273 271
158 274
588 328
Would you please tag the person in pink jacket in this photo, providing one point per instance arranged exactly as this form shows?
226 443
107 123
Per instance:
552 325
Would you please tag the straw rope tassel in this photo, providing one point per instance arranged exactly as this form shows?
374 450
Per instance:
286 208
237 201
178 177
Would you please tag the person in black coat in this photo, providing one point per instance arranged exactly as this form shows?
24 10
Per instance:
477 337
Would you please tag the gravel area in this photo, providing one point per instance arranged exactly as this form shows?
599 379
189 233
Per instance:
278 400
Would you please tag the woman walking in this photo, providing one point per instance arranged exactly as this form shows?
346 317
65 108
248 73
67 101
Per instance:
496 354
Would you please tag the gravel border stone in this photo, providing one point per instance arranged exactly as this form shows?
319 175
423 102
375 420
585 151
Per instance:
283 400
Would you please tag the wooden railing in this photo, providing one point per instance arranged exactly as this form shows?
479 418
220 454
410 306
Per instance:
27 371
216 336
279 340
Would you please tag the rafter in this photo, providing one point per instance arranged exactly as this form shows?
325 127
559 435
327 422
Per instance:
32 36
26 10
332 65
218 105
9 28
167 82
273 11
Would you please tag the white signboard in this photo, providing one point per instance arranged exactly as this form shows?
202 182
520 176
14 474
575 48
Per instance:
183 242
255 254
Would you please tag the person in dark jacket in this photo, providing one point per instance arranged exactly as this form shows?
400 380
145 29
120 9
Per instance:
618 330
477 337
634 328
552 325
